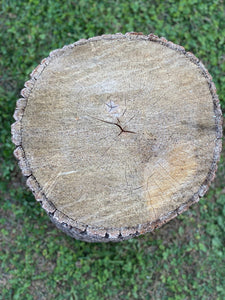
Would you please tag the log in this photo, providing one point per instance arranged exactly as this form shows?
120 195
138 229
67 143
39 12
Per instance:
118 134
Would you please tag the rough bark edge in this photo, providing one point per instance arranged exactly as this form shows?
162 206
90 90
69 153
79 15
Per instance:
97 234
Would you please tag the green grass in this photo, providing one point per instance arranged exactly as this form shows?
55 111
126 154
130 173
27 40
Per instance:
182 260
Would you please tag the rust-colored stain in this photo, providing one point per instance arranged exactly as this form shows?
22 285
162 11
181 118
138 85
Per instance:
164 178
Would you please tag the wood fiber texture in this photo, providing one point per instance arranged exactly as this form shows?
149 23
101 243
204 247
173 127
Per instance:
118 134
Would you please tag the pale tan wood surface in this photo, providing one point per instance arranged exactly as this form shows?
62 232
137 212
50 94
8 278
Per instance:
118 132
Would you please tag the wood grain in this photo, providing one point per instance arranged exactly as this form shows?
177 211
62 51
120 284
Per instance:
119 133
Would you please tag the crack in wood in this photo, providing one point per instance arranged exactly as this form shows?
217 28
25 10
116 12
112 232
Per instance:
117 124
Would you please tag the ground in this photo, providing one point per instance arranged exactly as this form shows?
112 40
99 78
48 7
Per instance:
182 260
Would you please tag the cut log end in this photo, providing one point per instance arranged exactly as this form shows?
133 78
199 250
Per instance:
118 135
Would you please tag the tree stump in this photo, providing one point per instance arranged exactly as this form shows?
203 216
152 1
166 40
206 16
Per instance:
118 134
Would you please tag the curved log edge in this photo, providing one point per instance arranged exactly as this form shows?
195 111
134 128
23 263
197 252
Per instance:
93 234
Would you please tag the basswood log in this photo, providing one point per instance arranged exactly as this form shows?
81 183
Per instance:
118 134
